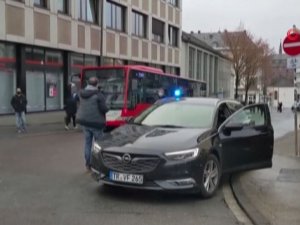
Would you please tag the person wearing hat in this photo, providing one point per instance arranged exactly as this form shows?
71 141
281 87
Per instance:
19 103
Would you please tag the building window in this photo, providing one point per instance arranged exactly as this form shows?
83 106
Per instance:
139 24
88 10
157 31
199 65
173 2
62 6
191 62
173 36
41 3
115 16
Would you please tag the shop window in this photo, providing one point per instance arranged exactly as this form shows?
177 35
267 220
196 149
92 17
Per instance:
7 76
157 31
41 3
34 55
62 6
54 58
90 60
80 60
115 16
88 10
139 24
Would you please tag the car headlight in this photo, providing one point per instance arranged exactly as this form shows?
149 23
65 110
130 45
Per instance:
96 148
182 155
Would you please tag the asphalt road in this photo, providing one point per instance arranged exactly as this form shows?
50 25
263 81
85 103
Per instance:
43 181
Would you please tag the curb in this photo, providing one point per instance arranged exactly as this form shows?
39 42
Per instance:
239 194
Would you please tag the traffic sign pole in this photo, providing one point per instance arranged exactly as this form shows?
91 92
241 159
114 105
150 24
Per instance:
296 122
291 46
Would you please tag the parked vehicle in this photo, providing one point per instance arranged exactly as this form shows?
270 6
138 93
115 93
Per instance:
185 144
296 106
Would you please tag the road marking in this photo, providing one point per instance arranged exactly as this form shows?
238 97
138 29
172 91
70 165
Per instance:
234 207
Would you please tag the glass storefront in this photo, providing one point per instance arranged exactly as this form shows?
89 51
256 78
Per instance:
54 87
44 79
78 61
7 76
35 90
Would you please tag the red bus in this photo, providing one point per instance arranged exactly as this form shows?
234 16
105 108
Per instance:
131 89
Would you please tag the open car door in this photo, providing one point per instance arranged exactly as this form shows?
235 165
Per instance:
247 139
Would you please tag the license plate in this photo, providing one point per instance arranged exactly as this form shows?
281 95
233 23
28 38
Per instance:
126 178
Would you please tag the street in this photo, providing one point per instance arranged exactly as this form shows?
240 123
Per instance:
43 181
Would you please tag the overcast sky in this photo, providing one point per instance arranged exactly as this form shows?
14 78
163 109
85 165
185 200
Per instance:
266 19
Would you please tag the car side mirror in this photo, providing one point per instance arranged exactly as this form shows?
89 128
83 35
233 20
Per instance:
228 128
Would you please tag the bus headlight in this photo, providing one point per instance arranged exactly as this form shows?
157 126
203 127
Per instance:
96 148
183 155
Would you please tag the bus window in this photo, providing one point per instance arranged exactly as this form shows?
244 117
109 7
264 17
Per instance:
143 88
111 84
169 85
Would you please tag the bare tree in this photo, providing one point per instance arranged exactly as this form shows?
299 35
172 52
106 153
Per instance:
236 43
257 54
247 56
266 68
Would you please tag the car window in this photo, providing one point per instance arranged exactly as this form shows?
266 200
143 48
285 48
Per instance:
233 107
178 114
223 114
250 116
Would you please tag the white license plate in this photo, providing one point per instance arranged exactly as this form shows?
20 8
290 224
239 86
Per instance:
126 178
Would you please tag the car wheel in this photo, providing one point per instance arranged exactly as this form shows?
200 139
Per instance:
210 177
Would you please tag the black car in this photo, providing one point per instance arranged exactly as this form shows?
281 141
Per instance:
185 145
297 106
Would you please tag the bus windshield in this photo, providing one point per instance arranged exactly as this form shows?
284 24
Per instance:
111 84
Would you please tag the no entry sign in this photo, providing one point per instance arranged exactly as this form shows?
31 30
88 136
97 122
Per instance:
291 44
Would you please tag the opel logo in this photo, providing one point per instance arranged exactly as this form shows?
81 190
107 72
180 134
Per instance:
126 158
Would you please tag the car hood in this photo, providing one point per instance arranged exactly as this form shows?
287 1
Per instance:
152 140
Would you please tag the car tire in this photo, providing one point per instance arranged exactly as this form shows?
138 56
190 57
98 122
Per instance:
210 177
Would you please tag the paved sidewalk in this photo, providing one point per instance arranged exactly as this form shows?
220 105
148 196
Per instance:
37 123
272 196
35 119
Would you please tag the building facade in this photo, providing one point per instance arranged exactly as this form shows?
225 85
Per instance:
201 62
281 82
43 43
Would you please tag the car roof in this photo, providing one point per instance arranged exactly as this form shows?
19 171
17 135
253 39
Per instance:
197 100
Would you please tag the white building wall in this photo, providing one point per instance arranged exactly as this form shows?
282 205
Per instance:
284 95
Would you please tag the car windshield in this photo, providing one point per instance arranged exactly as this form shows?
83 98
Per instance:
178 114
111 84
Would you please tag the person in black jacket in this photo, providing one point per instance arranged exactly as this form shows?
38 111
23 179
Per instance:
91 116
71 105
19 103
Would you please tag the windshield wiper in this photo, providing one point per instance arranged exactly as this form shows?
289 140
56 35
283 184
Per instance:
168 126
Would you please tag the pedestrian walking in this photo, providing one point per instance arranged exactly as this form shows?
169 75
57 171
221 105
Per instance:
279 107
19 103
71 105
91 116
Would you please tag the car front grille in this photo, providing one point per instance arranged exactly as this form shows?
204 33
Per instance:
138 163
